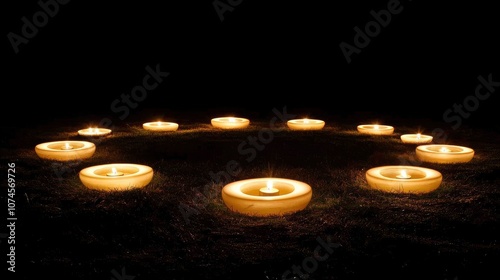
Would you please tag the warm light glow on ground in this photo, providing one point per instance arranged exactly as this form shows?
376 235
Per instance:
246 196
65 150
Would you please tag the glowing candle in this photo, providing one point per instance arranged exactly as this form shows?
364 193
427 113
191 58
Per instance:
65 150
114 172
66 146
94 131
444 150
444 153
305 124
403 175
116 176
160 126
246 196
230 122
269 189
375 129
403 179
416 138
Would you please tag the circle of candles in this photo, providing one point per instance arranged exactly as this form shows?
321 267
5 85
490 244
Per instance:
230 122
116 176
305 124
65 150
375 129
160 126
440 153
403 179
257 197
416 138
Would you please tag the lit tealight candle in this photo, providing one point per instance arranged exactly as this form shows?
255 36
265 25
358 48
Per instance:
403 179
160 126
94 131
305 124
66 146
416 138
375 129
249 197
269 190
444 153
65 150
116 176
230 122
114 172
444 150
403 175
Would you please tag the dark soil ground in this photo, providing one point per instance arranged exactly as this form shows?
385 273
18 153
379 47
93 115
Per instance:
178 226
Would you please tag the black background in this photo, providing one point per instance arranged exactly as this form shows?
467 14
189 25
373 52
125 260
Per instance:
261 55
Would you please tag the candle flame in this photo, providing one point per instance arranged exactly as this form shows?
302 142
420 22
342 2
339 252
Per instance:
444 150
66 145
375 126
269 185
418 135
113 170
403 175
